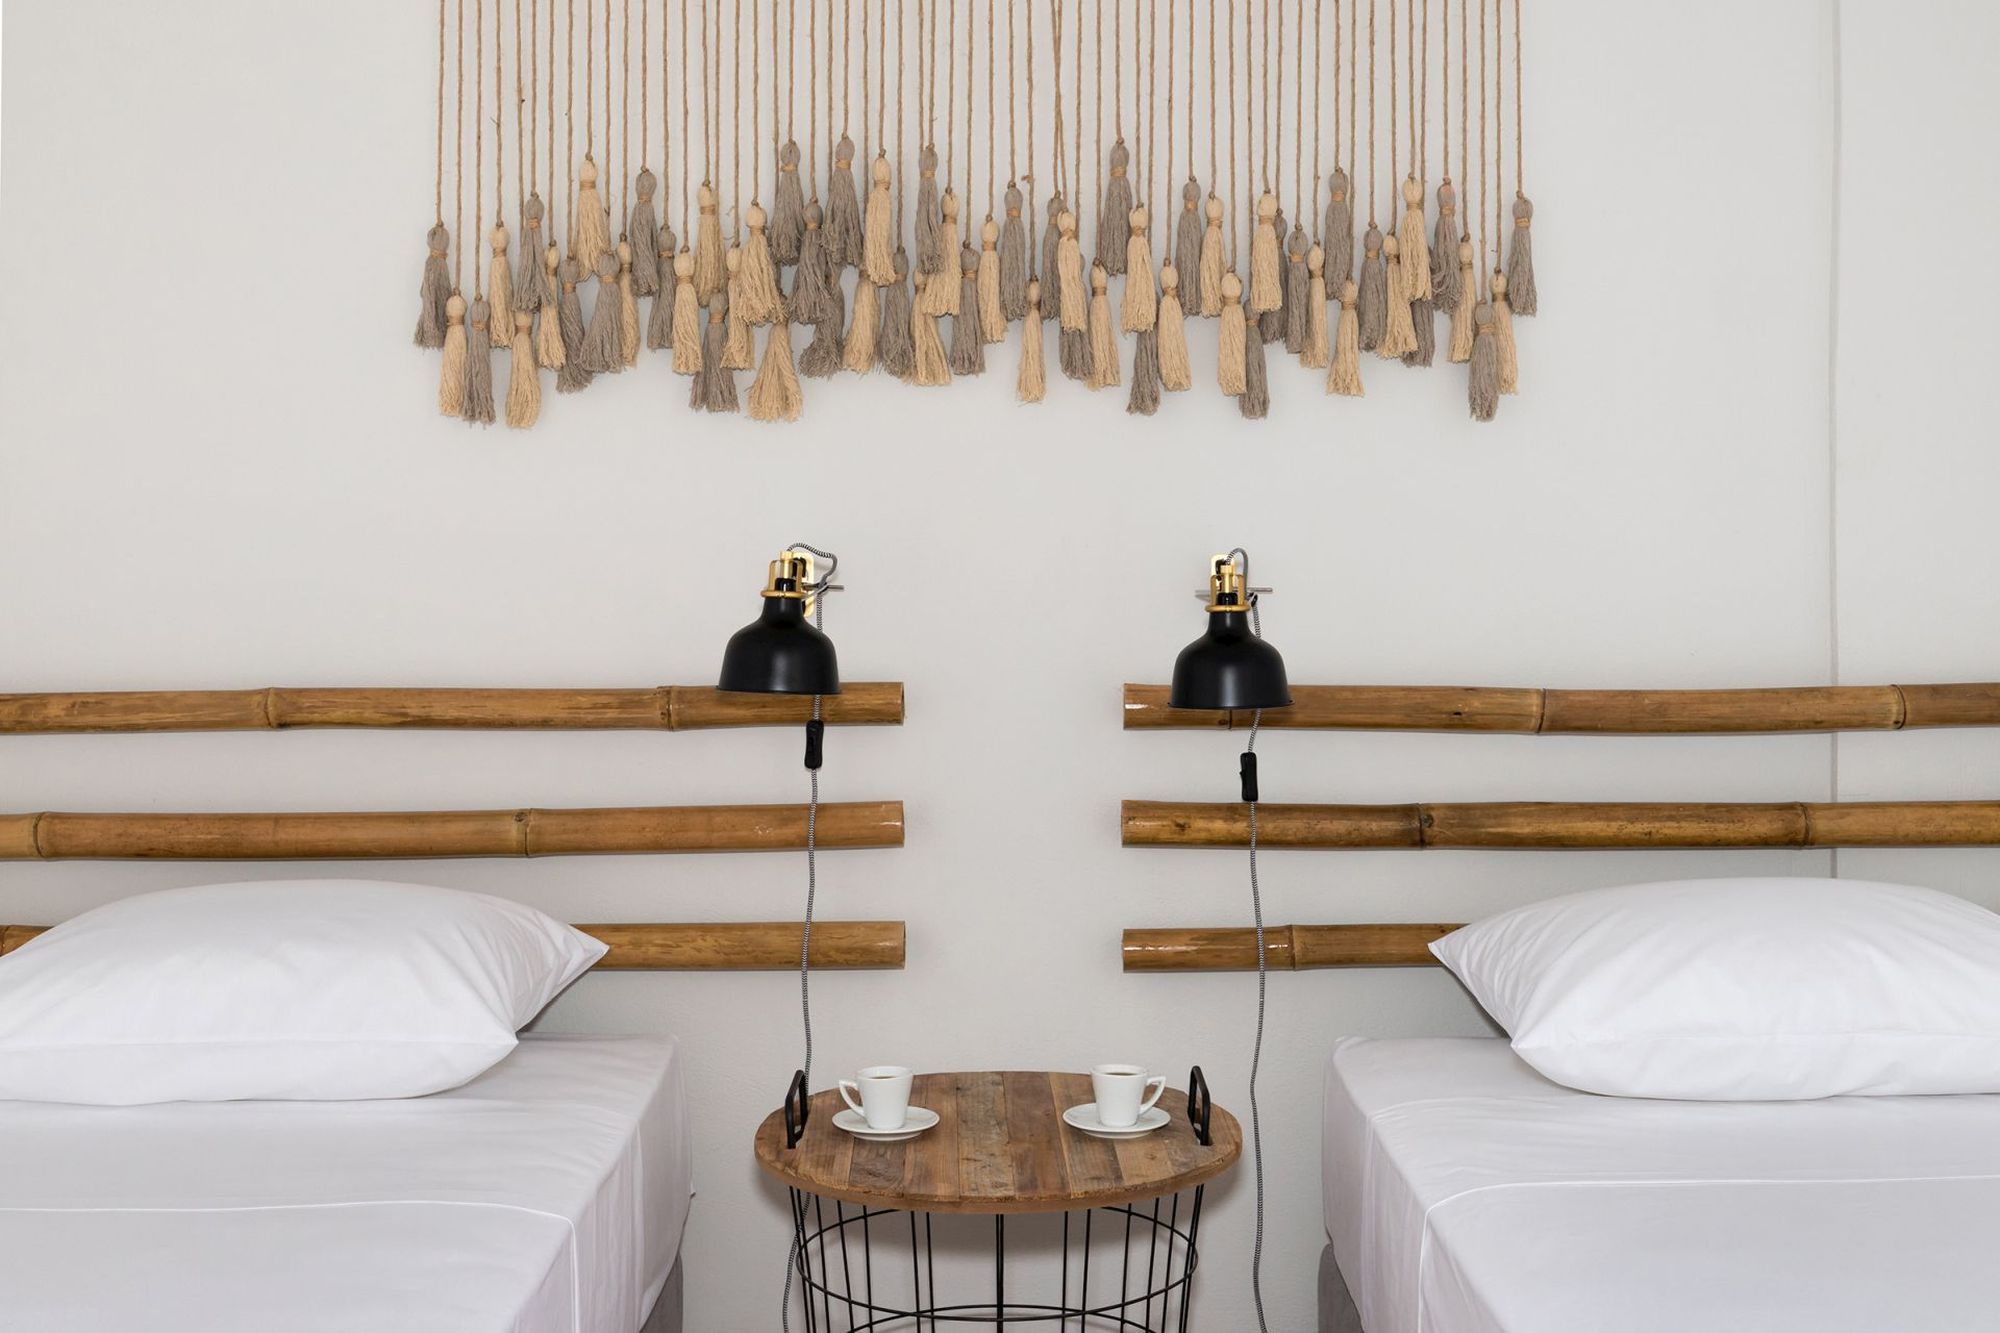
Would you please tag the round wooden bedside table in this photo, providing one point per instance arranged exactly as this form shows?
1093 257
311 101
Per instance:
1000 1148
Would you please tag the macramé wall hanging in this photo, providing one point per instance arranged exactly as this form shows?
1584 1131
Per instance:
884 264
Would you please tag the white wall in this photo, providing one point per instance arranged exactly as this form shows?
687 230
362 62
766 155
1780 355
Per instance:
219 465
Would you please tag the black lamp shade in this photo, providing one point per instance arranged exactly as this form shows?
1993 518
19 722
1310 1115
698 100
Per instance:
781 652
1229 667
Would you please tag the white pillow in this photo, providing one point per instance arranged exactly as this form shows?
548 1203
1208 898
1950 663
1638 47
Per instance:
320 990
1744 989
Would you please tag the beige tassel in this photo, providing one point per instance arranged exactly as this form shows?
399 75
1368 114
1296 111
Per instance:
1483 385
1176 372
1345 376
1235 334
1073 298
775 393
451 379
1212 267
1410 242
878 242
1503 335
687 317
435 289
1032 383
1317 355
548 334
628 307
941 297
479 363
992 318
573 377
1521 259
524 383
928 368
1265 291
858 353
1103 342
1461 313
1140 309
500 284
590 227
1399 337
739 349
757 281
709 275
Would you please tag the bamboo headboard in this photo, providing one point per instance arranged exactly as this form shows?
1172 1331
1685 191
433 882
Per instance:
1600 825
399 834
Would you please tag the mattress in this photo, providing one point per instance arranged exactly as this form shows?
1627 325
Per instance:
546 1196
1464 1193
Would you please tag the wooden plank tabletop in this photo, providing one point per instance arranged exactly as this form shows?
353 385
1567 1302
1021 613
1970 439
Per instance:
1000 1146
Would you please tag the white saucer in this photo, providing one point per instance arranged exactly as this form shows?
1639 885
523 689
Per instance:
1084 1117
915 1122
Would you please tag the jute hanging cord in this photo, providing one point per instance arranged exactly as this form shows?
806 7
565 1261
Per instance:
843 205
1317 353
879 237
1255 400
992 315
1115 211
1483 382
817 296
532 290
1374 294
1103 342
941 298
896 348
1520 252
967 355
1503 314
1417 274
452 371
936 253
643 229
1399 337
590 232
864 328
434 290
572 376
549 349
1013 227
628 292
1187 231
758 300
1058 168
512 325
709 271
479 407
1140 310
1072 288
686 327
1209 268
1298 318
1411 245
1031 382
788 203
1467 284
1267 275
1170 345
1232 352
1337 229
739 349
1344 374
1444 240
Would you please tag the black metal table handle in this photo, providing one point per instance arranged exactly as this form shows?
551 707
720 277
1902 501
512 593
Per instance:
1198 1106
798 1107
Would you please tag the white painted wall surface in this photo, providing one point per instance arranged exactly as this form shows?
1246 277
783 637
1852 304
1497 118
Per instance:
220 466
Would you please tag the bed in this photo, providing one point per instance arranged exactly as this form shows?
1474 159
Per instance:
1465 1193
548 1195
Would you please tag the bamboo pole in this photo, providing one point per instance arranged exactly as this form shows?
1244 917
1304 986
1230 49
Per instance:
1286 948
1592 712
660 708
707 946
397 834
1563 824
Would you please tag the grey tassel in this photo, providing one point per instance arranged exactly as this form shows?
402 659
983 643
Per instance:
1272 325
1483 385
929 214
1423 317
572 378
813 290
435 289
843 209
968 348
717 382
1187 248
1145 399
531 279
1298 292
644 234
1074 354
1374 309
1521 259
1051 238
1444 250
600 352
479 363
822 357
1114 223
1014 259
788 209
1338 234
1255 401
660 328
895 348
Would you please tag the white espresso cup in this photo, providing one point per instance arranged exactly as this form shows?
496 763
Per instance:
1123 1091
884 1093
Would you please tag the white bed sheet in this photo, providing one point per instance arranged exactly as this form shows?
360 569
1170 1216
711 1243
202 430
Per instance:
1465 1193
546 1196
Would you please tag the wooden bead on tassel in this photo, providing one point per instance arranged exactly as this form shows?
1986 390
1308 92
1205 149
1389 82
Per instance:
1503 334
757 281
628 308
1140 309
687 317
1103 342
1266 291
1212 266
1410 242
1461 313
739 347
895 348
1444 249
644 233
524 383
1483 385
843 209
864 330
1176 373
435 289
590 227
1032 383
1374 290
549 349
1013 259
968 341
500 287
1235 334
1298 293
941 298
1114 218
534 286
878 242
1187 251
788 208
709 275
1521 258
572 376
1399 336
599 353
451 376
775 393
1345 376
986 293
1338 233
479 363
